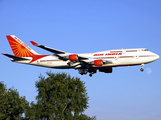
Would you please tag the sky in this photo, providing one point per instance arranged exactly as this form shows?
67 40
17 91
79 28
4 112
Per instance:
86 26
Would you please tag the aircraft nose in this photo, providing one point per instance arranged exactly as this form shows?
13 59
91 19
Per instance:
157 56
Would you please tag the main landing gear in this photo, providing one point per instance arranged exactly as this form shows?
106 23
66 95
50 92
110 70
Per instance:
90 75
85 71
142 68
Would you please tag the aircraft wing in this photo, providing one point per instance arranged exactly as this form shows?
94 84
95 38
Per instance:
66 56
47 48
91 61
61 54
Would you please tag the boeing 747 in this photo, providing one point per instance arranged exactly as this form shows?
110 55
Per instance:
85 63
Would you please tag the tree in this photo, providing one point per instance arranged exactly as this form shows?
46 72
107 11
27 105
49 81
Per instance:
12 106
60 96
85 117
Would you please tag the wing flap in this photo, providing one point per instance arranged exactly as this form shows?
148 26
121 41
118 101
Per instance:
82 58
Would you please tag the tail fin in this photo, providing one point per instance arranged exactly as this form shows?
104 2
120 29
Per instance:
19 48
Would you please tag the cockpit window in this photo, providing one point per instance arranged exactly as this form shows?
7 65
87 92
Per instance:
146 50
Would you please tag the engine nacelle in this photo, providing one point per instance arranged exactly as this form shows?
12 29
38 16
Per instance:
73 57
98 62
106 70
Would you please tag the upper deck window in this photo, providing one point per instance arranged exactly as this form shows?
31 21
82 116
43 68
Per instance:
115 51
131 50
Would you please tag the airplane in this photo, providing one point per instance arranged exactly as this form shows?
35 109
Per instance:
85 63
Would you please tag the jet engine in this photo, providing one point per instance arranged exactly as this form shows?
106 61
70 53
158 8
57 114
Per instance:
73 57
98 62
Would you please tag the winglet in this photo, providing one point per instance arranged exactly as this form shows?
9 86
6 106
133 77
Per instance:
33 43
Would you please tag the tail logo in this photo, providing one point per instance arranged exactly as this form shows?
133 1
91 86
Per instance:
19 48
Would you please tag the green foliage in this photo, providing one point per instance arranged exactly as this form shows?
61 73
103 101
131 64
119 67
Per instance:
11 104
85 117
60 96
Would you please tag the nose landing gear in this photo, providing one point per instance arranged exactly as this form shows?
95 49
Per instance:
142 68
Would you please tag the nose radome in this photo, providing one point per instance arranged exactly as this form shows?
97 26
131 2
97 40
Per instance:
157 56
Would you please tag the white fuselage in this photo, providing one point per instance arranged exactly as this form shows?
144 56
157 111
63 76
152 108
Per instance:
102 61
119 57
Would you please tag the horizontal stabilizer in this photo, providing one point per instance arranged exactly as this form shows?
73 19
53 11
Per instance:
47 48
15 57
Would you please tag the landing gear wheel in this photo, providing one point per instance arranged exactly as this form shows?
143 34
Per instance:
141 69
90 75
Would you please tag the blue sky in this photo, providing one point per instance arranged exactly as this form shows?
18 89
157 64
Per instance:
88 26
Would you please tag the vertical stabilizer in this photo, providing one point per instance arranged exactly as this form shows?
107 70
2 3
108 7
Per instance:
19 48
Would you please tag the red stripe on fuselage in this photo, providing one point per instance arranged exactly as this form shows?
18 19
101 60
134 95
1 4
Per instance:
36 57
